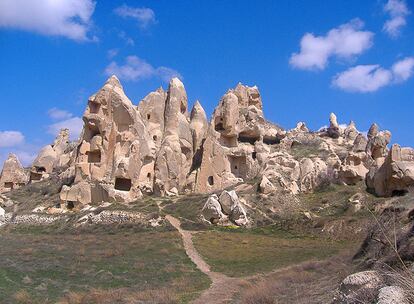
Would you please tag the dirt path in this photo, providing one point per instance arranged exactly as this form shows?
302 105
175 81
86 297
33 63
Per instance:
223 287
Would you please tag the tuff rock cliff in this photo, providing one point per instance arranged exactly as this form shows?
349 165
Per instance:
159 147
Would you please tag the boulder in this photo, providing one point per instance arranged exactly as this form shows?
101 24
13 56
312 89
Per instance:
392 295
227 200
312 173
211 211
354 168
13 175
361 287
266 186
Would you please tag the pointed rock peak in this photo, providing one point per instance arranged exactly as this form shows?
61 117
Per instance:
114 81
333 120
12 159
176 82
351 124
373 130
160 90
197 110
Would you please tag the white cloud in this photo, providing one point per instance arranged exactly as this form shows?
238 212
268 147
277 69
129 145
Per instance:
398 11
69 18
58 114
11 138
64 120
144 16
74 124
346 41
403 69
370 78
136 69
112 53
128 40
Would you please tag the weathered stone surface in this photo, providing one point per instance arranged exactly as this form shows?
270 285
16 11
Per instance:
237 140
354 168
211 211
13 175
351 131
266 186
361 287
152 109
59 155
373 131
115 157
175 156
392 295
396 175
217 210
333 129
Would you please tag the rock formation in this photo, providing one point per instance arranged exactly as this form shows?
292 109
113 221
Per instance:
51 157
174 159
116 155
396 175
237 141
13 175
158 147
225 209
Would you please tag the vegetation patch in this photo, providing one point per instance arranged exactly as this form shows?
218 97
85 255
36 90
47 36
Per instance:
240 253
47 267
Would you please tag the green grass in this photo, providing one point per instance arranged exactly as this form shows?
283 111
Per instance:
240 253
57 264
188 210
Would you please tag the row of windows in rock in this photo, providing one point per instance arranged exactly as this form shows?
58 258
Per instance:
232 141
11 185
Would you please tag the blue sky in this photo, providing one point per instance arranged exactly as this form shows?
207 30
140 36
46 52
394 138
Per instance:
308 58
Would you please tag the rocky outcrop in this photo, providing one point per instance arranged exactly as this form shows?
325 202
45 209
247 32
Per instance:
361 287
116 155
237 142
219 210
396 174
13 175
58 155
174 159
333 129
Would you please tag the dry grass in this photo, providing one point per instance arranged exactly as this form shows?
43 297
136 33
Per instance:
91 268
22 297
120 296
310 282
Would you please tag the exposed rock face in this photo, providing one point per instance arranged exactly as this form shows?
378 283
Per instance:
354 168
212 212
361 287
175 157
116 155
228 207
158 147
58 155
237 142
13 175
333 129
396 175
152 109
